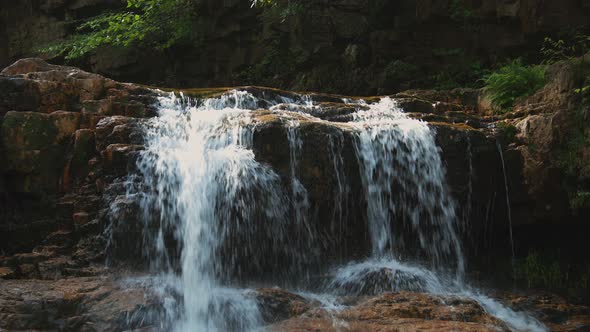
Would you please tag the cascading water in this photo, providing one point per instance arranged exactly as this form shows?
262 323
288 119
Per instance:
404 181
205 195
207 188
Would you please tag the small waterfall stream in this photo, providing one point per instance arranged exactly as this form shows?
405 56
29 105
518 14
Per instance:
232 216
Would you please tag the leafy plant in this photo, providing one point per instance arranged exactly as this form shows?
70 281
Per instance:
551 269
539 271
569 45
508 130
513 81
569 157
459 11
279 61
580 200
157 24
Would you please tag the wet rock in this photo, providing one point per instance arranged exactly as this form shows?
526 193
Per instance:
276 304
117 130
402 311
83 304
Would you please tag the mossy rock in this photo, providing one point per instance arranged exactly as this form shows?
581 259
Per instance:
27 131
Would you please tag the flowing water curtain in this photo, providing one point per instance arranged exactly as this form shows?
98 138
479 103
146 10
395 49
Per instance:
409 209
225 209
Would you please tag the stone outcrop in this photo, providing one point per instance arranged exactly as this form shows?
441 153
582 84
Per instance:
77 304
547 142
62 145
69 139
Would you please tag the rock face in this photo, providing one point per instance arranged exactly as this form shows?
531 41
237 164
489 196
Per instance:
76 304
68 140
63 142
379 51
549 145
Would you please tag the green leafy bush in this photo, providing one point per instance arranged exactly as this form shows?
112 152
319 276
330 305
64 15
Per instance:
580 200
551 269
157 24
513 81
568 45
459 11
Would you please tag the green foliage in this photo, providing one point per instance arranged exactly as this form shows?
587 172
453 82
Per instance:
157 24
550 270
569 156
280 10
584 91
569 45
279 61
580 200
513 81
540 271
464 73
459 11
152 23
508 132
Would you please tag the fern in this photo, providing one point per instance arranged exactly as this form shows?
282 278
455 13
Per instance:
513 81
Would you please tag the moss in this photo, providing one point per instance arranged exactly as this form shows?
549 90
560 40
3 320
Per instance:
569 156
458 126
27 131
507 132
199 93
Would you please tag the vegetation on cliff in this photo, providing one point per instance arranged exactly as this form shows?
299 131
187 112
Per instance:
513 81
157 24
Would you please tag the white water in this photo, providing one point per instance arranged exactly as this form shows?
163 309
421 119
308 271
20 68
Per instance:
204 188
404 180
206 183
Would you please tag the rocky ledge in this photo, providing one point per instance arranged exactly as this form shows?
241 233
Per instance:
127 303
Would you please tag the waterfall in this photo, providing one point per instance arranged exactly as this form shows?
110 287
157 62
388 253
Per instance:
208 190
405 183
508 209
214 216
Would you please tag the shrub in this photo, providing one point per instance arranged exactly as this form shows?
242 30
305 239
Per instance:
513 81
459 11
157 24
568 45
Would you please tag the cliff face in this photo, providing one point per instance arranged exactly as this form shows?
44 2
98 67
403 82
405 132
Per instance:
69 139
352 47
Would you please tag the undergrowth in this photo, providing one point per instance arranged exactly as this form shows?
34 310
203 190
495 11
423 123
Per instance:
513 81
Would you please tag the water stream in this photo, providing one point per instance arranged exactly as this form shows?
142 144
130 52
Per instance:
232 217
